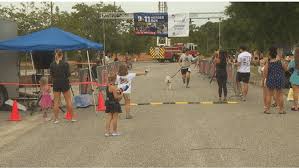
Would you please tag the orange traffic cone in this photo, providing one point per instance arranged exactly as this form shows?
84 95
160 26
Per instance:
68 116
15 115
101 104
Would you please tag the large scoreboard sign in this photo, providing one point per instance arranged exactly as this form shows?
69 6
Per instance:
155 24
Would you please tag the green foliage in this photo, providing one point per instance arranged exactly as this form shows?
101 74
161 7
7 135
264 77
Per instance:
262 24
84 20
256 24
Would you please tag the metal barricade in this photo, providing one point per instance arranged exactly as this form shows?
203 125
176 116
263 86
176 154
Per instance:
84 77
207 68
104 71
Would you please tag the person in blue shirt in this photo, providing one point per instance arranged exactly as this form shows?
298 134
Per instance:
294 79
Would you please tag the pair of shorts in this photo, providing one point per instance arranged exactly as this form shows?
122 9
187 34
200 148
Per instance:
185 70
127 96
61 87
243 77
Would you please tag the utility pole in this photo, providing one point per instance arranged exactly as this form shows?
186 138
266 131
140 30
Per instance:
162 8
51 16
104 35
219 34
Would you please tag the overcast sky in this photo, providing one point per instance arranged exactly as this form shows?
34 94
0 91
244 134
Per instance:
147 6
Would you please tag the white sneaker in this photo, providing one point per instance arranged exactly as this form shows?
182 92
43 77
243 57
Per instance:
115 134
107 134
56 122
74 120
48 119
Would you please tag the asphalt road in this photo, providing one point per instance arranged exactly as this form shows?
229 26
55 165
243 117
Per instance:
161 135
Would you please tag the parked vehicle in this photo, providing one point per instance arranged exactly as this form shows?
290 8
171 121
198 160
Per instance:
172 53
9 60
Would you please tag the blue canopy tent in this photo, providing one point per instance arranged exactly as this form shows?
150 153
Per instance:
49 40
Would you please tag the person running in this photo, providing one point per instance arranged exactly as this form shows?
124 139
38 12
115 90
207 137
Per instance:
243 73
185 62
125 78
221 73
294 79
60 73
113 108
274 73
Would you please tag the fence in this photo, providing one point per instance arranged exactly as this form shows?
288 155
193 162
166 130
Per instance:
102 73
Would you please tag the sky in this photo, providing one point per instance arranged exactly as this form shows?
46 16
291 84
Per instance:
152 6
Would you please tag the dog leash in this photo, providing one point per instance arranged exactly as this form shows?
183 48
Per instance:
176 73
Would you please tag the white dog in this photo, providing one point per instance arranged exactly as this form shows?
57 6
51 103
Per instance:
168 82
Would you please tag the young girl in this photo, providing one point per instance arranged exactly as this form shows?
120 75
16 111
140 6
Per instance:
263 81
124 78
114 95
46 100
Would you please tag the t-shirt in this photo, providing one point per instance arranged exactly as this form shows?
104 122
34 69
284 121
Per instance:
186 61
121 81
60 71
244 59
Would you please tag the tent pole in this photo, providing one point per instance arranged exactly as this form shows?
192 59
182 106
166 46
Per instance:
33 68
26 61
90 76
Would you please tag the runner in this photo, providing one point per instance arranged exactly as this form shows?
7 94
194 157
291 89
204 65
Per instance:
243 74
185 62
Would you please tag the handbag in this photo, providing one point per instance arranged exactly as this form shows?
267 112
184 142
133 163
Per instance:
290 95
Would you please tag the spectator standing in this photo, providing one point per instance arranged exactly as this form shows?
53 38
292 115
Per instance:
124 79
60 73
275 80
294 79
220 61
113 108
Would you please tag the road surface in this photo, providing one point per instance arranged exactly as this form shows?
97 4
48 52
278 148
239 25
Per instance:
161 135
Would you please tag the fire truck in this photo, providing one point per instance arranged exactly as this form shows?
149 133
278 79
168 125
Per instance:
172 53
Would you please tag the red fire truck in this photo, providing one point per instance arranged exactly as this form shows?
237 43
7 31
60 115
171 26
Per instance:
172 53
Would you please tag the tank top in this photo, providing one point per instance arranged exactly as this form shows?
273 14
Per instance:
60 72
109 96
222 65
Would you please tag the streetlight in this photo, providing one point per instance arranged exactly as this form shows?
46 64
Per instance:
219 33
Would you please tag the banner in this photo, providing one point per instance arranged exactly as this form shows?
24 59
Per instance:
154 24
178 25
